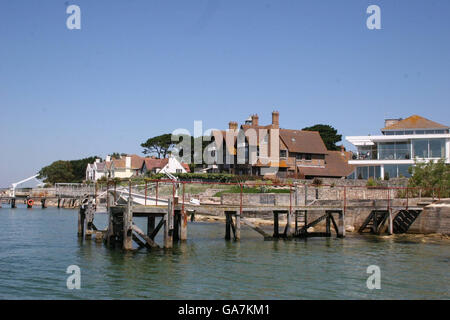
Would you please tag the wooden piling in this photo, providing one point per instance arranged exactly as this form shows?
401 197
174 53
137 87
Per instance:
276 230
13 203
390 225
328 225
227 226
81 216
176 225
128 226
238 226
288 224
183 226
168 217
341 225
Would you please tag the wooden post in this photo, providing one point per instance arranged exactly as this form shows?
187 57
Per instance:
276 230
13 203
289 216
328 229
183 227
341 225
128 226
176 225
238 226
81 216
390 226
150 225
227 226
192 215
43 203
168 239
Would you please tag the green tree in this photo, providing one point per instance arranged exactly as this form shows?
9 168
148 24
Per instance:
58 172
73 171
328 133
159 146
433 177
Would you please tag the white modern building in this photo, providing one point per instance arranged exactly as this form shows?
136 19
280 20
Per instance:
401 142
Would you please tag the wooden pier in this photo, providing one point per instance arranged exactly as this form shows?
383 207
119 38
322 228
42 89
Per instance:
172 221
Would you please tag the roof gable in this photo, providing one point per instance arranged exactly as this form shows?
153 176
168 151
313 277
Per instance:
415 122
300 141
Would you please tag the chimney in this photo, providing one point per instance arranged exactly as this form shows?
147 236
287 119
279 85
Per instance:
232 125
128 162
97 160
342 150
255 119
390 122
108 158
275 119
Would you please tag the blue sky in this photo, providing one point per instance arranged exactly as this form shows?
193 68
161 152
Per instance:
141 68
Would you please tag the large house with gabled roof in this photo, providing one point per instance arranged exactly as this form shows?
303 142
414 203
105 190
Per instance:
279 152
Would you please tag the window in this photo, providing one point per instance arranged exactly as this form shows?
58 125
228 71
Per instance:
390 170
394 150
420 148
387 151
308 156
283 153
396 171
403 170
368 172
179 171
437 148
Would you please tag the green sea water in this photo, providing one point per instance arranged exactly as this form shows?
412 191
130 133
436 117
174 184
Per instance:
37 246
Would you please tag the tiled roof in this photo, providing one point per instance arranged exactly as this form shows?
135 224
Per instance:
415 122
296 140
336 165
303 141
153 163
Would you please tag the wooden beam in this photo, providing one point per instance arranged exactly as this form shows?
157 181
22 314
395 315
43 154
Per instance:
150 225
149 242
156 230
254 227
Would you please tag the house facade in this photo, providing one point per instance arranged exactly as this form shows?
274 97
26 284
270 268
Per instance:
400 143
268 150
96 170
170 165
